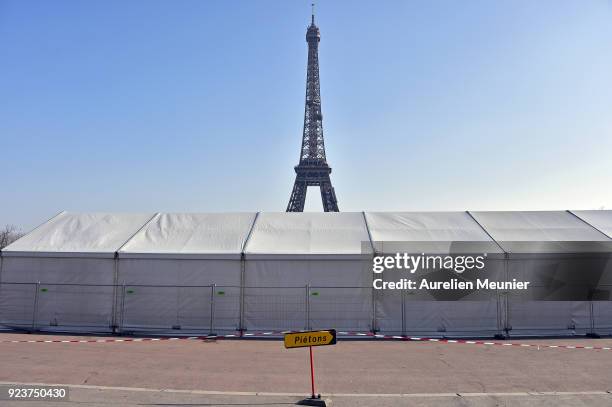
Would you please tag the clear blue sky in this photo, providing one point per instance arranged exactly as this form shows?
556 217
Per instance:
198 105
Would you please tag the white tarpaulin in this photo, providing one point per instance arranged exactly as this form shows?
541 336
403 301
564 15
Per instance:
435 232
540 246
169 268
72 256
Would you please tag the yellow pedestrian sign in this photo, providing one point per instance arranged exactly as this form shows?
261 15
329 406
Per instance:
310 338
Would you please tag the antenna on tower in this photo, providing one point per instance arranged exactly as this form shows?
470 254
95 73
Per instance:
313 11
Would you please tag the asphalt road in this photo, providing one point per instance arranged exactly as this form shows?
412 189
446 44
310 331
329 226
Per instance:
354 373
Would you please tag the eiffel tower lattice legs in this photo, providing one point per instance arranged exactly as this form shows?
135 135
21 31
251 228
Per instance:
300 187
298 197
328 195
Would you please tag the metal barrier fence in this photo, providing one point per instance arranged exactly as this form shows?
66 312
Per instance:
210 309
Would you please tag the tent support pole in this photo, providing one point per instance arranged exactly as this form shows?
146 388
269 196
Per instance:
404 312
591 317
114 305
592 333
122 308
212 309
307 324
506 320
499 315
35 307
241 324
374 322
242 272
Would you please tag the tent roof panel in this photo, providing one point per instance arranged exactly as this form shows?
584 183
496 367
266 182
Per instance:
308 233
424 226
95 233
600 219
537 226
540 231
191 234
428 232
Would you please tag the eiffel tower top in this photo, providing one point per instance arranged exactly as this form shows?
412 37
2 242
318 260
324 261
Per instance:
313 33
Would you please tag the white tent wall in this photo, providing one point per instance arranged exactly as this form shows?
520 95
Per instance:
170 294
528 317
602 310
74 292
602 317
419 313
169 269
517 233
73 257
319 256
305 293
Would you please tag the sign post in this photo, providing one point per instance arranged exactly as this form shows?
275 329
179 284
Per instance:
310 339
312 390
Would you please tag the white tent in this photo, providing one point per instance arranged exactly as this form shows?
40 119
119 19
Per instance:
217 272
168 269
436 233
73 258
296 250
540 246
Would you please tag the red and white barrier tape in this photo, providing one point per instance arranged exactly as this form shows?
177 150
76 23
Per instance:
340 333
474 342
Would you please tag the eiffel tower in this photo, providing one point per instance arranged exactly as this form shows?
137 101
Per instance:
313 169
